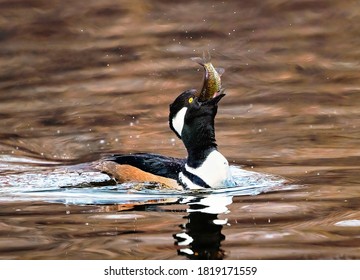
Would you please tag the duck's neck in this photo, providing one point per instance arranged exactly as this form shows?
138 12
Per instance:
204 160
199 144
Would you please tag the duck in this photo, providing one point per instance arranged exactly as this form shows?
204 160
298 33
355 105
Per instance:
193 122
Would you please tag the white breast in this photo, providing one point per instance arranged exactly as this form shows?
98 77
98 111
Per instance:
214 171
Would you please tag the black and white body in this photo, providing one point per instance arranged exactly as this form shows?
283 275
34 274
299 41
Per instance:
205 167
193 122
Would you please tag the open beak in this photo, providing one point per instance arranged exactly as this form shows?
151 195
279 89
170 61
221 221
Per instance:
214 101
217 97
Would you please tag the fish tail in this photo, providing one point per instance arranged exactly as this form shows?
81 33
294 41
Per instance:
202 60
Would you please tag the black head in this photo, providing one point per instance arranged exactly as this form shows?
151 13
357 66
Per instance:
191 119
179 108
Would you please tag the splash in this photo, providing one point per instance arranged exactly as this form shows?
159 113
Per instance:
66 185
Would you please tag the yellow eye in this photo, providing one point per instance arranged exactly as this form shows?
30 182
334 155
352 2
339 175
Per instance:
191 100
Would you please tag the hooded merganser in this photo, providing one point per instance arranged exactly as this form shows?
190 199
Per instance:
205 167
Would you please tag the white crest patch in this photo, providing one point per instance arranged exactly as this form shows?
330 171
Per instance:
178 120
214 171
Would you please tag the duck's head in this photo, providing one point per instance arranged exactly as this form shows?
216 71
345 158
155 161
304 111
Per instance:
188 116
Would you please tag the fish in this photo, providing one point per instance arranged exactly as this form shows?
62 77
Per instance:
212 78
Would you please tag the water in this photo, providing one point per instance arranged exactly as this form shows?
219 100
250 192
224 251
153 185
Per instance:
79 81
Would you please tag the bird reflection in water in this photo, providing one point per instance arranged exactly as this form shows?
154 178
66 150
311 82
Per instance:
201 236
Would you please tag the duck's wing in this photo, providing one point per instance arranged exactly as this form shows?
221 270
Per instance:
159 165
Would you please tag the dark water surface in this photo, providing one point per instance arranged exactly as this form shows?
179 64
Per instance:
82 79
